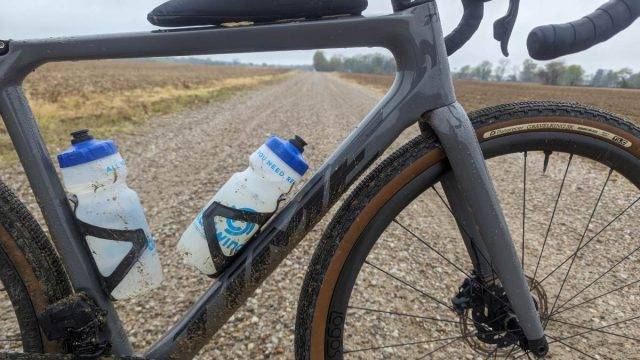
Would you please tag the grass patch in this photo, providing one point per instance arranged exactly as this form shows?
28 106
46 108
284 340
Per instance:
112 97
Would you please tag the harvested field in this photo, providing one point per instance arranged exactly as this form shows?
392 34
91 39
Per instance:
114 96
477 94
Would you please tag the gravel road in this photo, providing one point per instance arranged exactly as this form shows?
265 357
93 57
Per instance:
179 161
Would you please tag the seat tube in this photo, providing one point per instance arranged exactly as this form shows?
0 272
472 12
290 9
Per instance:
459 142
24 132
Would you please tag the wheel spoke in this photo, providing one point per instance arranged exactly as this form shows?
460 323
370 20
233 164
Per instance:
466 233
559 311
575 254
595 329
412 343
450 262
425 243
422 292
403 314
526 353
600 277
553 214
438 348
513 348
572 347
591 239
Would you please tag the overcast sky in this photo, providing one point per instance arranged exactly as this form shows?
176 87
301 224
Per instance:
44 18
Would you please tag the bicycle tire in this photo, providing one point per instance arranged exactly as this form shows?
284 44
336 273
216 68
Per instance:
379 197
30 271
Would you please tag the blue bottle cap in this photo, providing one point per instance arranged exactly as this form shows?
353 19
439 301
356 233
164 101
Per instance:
290 152
84 148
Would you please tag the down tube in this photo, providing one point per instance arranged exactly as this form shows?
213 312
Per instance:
381 127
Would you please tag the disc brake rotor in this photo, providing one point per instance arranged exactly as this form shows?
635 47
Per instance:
487 322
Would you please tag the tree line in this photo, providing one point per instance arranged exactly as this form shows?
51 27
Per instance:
551 73
366 63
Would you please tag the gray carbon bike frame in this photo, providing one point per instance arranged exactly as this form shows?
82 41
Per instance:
422 92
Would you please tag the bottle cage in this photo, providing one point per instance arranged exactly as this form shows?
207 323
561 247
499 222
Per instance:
220 260
137 238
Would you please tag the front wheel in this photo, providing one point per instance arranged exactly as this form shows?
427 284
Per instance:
382 280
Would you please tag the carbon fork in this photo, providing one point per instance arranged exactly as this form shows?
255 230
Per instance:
472 185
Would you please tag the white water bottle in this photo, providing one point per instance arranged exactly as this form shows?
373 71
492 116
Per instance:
273 170
110 216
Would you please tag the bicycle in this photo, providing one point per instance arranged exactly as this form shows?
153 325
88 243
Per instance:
498 308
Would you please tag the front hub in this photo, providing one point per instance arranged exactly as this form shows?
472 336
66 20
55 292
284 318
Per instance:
487 321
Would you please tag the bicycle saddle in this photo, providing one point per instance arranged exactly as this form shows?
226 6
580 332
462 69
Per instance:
175 13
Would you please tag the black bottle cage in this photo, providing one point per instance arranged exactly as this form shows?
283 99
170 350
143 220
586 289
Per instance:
220 260
136 237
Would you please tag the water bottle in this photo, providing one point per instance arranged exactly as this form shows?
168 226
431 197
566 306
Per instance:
110 216
243 204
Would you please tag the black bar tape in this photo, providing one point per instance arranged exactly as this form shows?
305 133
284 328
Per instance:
471 19
552 41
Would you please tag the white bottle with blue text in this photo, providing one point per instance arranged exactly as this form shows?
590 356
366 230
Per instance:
95 176
273 170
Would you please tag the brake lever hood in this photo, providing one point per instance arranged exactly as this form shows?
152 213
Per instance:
503 27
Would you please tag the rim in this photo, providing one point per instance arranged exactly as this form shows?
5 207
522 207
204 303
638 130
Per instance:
524 211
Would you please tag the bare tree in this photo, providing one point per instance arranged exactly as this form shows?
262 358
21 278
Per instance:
483 71
574 75
501 69
529 71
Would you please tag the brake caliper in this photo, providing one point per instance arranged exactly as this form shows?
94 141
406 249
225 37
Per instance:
491 313
463 301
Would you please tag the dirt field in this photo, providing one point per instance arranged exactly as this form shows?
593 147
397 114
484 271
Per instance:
174 180
114 96
477 94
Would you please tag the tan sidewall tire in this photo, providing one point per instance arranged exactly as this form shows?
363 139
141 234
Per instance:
37 268
490 123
